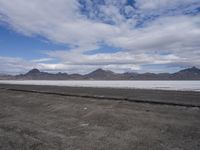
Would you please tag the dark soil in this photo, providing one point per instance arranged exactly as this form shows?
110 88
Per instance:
42 121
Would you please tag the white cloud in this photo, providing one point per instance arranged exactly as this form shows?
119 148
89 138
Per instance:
161 4
62 21
170 34
58 21
113 58
11 65
42 60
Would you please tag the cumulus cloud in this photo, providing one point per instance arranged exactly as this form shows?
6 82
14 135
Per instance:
146 31
11 65
168 33
162 4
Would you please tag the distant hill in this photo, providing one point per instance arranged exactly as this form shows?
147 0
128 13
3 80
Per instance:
100 74
6 77
190 73
36 74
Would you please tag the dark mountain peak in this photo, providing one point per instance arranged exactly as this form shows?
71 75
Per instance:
34 71
192 73
191 70
100 74
194 69
101 71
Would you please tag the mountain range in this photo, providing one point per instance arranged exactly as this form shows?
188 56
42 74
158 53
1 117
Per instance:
100 74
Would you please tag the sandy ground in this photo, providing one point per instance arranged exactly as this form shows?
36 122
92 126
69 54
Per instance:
42 121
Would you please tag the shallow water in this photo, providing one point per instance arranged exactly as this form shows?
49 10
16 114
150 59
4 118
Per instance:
163 85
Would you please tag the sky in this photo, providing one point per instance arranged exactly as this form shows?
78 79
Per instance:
79 36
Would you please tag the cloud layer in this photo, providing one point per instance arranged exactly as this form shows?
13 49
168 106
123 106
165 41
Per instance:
147 32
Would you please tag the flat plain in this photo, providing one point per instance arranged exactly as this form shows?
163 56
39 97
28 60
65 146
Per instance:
72 118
